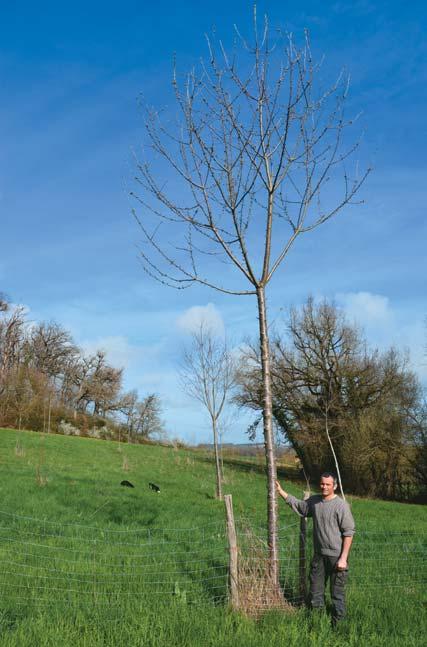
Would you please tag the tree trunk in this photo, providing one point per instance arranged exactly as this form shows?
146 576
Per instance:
221 459
268 438
217 461
49 415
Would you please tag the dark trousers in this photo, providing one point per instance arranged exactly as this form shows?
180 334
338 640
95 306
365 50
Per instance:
322 569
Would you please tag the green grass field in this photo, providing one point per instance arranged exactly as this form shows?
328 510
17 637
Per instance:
84 561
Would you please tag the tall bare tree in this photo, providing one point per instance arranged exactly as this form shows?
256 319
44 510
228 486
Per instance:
207 375
240 178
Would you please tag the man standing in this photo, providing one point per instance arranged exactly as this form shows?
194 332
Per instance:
333 530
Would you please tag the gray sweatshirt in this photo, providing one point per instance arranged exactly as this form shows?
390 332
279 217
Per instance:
332 520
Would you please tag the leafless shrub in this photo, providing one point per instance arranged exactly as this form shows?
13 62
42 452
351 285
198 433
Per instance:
177 444
41 479
19 449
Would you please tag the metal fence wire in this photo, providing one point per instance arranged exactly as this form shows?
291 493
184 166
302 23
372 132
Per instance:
46 563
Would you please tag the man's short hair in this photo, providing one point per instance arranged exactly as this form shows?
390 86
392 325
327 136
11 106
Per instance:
330 475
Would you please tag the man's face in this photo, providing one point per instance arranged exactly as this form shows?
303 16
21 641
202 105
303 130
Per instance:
327 486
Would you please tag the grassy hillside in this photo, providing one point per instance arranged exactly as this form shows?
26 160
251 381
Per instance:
84 561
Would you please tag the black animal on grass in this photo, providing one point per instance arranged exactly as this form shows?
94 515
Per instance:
154 487
126 484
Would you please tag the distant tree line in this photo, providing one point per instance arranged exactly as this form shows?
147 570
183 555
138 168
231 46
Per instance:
47 383
326 381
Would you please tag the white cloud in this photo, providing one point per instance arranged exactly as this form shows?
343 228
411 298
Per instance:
192 318
413 337
120 353
366 308
386 325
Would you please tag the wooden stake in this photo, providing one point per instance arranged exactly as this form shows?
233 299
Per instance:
303 554
232 542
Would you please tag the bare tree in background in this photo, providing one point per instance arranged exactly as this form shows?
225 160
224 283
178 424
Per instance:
11 342
240 177
49 349
4 302
97 385
45 379
143 417
207 375
130 412
325 378
12 331
149 421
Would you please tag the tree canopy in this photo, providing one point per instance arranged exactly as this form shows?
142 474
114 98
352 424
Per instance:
323 371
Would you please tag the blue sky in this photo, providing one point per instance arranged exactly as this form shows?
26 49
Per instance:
71 77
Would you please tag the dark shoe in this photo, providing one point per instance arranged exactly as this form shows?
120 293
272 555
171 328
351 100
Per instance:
336 622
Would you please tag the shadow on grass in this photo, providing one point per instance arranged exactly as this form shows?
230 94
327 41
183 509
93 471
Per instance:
10 618
292 594
215 588
240 464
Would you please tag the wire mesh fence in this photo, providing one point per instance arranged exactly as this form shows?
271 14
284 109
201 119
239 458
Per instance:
74 562
382 565
47 563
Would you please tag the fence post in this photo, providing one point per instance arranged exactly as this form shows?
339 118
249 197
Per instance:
232 543
302 554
